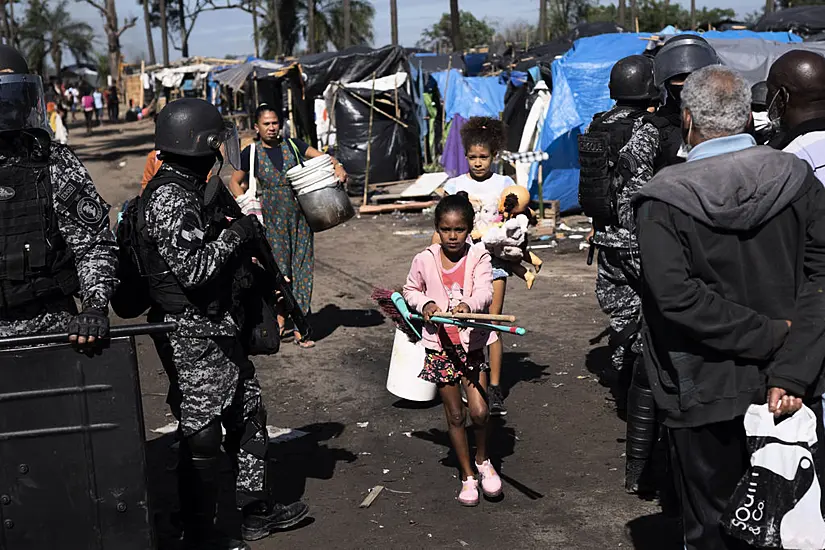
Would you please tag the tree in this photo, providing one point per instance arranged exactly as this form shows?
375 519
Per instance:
113 30
455 27
48 31
519 33
394 22
147 21
653 12
347 23
543 20
565 14
474 32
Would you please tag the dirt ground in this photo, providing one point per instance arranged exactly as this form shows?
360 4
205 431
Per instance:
560 448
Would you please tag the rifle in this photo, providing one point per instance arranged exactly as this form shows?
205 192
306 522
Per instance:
217 193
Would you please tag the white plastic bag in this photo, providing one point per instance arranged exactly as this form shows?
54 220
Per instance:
249 201
776 504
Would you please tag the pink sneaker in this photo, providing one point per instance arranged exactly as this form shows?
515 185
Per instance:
490 480
469 492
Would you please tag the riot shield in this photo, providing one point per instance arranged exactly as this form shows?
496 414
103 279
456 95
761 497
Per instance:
72 465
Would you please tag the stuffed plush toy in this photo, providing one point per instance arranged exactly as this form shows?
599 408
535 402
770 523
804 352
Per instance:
503 229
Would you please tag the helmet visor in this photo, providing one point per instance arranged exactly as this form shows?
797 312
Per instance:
22 106
231 145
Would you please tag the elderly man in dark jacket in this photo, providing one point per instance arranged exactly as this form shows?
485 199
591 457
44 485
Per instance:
732 245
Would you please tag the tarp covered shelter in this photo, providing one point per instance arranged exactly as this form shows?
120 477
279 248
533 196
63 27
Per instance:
580 90
470 96
802 20
236 76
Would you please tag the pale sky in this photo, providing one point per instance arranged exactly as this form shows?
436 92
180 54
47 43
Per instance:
230 31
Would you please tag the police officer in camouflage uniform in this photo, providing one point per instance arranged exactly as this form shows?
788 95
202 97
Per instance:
55 239
601 187
655 144
189 253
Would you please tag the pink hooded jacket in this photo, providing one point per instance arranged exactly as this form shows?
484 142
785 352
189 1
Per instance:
425 284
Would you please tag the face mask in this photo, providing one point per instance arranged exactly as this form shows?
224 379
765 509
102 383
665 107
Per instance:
777 106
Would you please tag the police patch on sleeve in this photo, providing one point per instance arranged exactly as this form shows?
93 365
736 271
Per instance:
89 211
190 236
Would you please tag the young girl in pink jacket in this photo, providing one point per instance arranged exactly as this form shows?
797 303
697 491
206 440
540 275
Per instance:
457 276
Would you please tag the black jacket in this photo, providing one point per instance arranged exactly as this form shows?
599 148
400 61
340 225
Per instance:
731 246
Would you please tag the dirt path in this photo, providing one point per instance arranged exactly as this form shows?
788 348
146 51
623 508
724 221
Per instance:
560 447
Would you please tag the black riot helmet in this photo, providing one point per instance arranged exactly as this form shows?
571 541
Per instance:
22 106
682 55
192 127
631 79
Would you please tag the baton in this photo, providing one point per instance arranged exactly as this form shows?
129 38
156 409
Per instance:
63 337
591 252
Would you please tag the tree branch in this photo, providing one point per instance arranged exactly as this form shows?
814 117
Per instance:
98 6
127 24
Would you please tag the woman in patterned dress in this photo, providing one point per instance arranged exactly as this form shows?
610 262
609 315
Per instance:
287 229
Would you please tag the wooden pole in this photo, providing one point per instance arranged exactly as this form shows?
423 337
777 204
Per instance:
542 21
143 70
292 133
369 142
394 22
541 191
255 28
444 109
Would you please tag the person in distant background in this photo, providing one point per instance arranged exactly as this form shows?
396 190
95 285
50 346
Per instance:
114 105
61 135
88 104
98 97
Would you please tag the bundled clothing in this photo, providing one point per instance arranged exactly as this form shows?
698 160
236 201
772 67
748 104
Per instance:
732 245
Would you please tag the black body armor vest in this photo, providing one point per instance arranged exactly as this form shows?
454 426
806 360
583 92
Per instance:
213 299
35 263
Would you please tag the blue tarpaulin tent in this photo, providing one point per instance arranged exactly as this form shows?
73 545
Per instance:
471 96
580 90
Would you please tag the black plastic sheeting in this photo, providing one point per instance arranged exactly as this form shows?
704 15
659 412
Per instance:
435 63
396 151
351 65
802 20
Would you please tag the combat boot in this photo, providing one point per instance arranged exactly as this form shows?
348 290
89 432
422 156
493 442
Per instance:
260 519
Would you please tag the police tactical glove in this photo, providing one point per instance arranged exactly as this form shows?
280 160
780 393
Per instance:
247 228
91 322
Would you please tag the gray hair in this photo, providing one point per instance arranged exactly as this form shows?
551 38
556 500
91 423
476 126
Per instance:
719 101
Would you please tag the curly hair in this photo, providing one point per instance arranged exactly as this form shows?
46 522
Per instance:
484 131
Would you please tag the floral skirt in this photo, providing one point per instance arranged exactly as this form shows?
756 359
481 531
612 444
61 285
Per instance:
449 365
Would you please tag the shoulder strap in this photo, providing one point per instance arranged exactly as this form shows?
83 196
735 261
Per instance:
298 156
253 160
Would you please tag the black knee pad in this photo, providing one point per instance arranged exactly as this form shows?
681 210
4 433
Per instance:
206 443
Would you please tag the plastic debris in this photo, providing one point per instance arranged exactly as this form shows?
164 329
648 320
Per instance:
362 424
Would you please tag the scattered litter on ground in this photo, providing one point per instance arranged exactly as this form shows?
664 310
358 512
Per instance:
362 424
583 377
365 453
370 498
386 471
463 543
409 232
584 246
575 237
561 373
560 384
401 493
390 434
570 296
553 244
408 434
564 227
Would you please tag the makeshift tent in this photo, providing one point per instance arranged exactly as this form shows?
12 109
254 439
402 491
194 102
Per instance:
594 29
532 130
174 77
802 20
471 96
395 153
753 58
580 90
313 73
236 76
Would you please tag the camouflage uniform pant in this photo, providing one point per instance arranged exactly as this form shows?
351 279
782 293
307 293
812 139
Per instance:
619 301
211 378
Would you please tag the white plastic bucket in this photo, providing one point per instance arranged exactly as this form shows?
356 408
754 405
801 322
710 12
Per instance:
405 365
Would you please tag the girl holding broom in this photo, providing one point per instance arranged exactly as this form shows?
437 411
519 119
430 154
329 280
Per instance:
457 276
